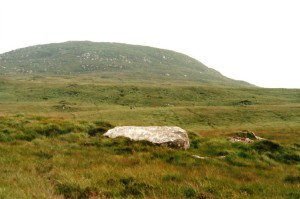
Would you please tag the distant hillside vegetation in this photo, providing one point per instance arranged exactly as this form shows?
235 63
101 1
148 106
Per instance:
109 60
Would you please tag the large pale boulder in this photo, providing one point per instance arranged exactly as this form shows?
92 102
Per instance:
171 136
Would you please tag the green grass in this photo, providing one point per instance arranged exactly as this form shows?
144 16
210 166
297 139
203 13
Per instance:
76 165
51 142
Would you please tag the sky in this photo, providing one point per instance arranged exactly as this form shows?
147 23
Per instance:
257 41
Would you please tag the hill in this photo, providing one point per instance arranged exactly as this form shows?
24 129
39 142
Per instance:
55 104
109 60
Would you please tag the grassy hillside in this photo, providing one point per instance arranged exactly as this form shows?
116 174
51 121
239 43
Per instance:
108 60
52 146
53 112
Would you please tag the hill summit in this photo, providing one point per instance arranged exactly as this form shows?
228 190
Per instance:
108 60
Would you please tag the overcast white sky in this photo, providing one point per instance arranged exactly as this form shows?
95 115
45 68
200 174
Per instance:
253 40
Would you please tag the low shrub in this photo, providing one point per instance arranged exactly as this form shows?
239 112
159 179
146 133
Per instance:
26 137
292 179
293 195
194 144
97 130
72 190
246 155
172 177
246 134
4 138
104 124
189 192
266 146
297 145
50 130
288 158
133 187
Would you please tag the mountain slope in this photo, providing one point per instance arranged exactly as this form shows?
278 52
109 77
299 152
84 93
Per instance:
84 57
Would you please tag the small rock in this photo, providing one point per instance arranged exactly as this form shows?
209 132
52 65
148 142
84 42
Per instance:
245 137
240 139
198 157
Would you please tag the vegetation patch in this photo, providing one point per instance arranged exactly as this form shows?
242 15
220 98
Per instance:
267 146
292 179
49 152
172 177
189 192
73 190
132 187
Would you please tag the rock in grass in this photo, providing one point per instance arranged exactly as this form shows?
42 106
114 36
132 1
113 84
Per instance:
171 136
245 137
241 139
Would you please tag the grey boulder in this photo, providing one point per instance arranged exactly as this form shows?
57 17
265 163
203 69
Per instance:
171 136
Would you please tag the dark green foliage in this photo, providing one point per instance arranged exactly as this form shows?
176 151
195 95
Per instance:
174 159
4 138
53 130
277 152
189 192
101 128
246 134
74 191
246 155
27 137
287 157
123 150
17 134
266 146
24 129
172 177
195 143
292 179
103 124
132 187
293 195
7 131
245 102
97 130
172 156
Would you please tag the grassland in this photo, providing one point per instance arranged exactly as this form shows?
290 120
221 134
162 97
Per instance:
51 143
